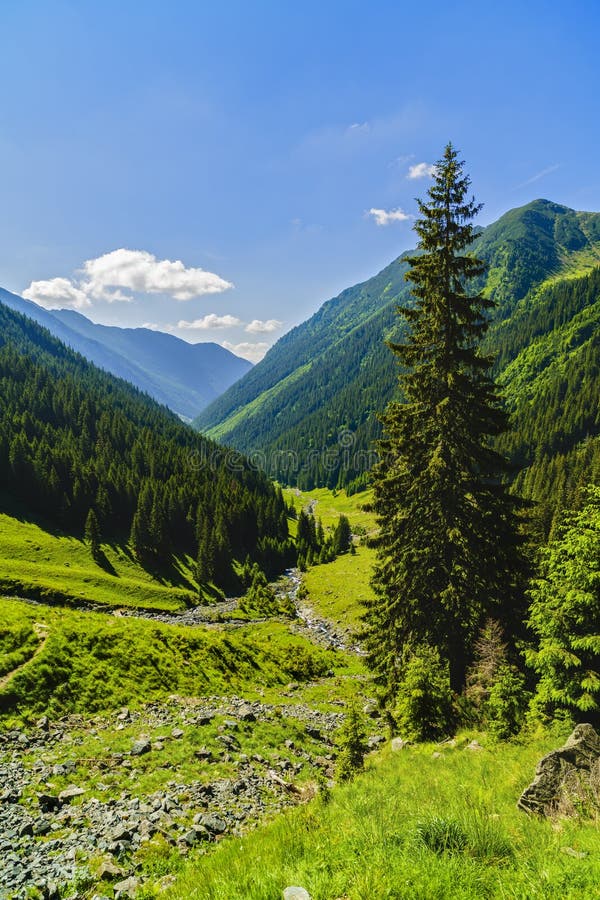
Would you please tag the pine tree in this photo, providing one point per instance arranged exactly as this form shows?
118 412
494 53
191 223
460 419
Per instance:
92 533
565 617
448 550
342 537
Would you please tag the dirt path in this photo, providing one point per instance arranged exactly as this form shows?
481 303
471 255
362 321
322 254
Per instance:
42 633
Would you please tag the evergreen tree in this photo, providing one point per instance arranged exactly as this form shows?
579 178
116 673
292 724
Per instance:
342 537
92 533
565 617
352 745
448 550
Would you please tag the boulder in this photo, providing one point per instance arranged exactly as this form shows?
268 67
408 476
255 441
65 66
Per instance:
566 779
141 746
296 893
398 744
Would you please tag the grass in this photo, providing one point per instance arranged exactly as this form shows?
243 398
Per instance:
330 505
92 662
37 562
336 589
414 825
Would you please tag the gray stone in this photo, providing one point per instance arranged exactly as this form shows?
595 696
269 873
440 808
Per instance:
177 733
398 744
213 824
70 793
141 746
108 871
247 714
127 888
296 893
568 779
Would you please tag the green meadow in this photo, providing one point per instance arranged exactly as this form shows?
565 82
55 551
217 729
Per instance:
428 822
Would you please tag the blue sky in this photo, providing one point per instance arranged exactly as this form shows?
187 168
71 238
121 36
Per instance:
250 140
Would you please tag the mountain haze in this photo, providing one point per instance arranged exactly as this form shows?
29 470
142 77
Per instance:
185 377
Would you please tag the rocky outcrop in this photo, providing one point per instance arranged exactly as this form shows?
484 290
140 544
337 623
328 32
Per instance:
567 781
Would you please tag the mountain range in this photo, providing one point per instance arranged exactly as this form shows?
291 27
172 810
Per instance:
185 377
309 408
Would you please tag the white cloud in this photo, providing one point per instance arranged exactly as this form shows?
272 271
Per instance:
57 293
257 326
253 352
108 277
212 320
387 216
138 270
421 170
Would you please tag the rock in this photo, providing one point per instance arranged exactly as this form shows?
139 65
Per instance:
374 741
108 871
213 824
247 714
474 746
398 744
43 724
296 893
566 779
203 753
177 733
371 709
70 793
127 888
141 746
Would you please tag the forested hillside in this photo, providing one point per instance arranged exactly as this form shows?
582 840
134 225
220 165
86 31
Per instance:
311 406
185 377
75 442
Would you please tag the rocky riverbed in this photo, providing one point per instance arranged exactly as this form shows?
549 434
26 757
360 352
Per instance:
82 800
67 821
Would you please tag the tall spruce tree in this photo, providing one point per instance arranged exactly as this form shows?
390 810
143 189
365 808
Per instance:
448 550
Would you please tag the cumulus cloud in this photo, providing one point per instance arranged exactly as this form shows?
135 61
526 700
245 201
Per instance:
257 326
212 320
57 293
421 170
387 216
140 271
110 276
253 352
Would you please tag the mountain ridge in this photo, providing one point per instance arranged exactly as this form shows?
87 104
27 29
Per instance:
185 377
350 376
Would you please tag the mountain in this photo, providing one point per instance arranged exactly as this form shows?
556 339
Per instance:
185 377
75 439
310 407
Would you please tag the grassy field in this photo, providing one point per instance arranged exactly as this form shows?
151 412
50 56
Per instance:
336 589
428 822
36 562
91 662
329 506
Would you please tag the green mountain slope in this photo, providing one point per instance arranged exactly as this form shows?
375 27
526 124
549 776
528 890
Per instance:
309 409
75 439
185 377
